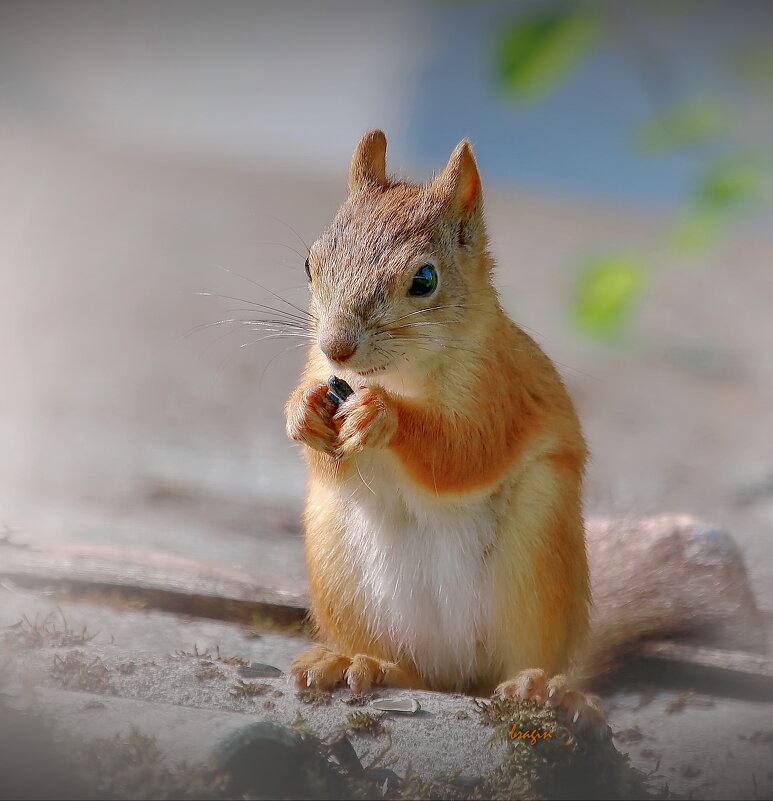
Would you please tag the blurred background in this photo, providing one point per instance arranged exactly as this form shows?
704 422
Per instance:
151 151
150 148
164 165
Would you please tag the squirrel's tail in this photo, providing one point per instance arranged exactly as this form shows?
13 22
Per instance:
660 577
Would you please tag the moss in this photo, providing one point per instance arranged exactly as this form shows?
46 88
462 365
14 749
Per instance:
208 672
363 723
359 699
248 689
74 671
207 654
230 660
314 697
52 631
563 764
299 725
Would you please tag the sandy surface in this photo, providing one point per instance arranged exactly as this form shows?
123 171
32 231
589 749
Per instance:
696 744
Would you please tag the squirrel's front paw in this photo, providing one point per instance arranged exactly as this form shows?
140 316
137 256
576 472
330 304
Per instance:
310 419
368 418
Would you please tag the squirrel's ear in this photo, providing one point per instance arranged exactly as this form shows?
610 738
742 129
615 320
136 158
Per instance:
369 161
459 183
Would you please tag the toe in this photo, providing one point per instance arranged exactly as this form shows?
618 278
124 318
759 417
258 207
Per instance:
573 706
527 684
584 712
555 690
328 672
363 673
319 668
580 711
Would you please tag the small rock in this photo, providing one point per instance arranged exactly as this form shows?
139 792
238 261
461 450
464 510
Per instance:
408 706
258 670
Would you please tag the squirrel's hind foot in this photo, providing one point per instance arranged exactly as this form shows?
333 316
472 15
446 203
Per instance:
581 710
322 668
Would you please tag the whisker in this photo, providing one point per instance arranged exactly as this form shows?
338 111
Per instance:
429 338
277 333
289 321
283 324
278 324
290 315
300 255
379 335
425 322
204 326
297 235
270 336
221 337
266 289
425 340
431 308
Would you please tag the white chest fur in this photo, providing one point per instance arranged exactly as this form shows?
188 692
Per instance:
427 583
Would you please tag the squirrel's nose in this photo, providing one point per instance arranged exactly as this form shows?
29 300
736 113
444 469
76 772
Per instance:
338 349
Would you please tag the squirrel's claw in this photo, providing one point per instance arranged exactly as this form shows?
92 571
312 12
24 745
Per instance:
323 669
580 710
319 668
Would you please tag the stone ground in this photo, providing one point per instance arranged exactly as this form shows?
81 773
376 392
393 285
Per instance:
700 745
118 430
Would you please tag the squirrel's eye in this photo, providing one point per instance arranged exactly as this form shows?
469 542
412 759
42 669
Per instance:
424 282
308 270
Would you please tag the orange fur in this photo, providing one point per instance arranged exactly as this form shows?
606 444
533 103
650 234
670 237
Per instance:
465 440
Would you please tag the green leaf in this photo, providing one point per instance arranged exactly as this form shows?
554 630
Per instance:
730 184
692 123
696 231
727 189
537 52
605 293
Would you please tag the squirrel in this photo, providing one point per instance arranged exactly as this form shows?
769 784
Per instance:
444 534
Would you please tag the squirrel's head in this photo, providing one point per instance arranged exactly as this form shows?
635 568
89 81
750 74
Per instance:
396 276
